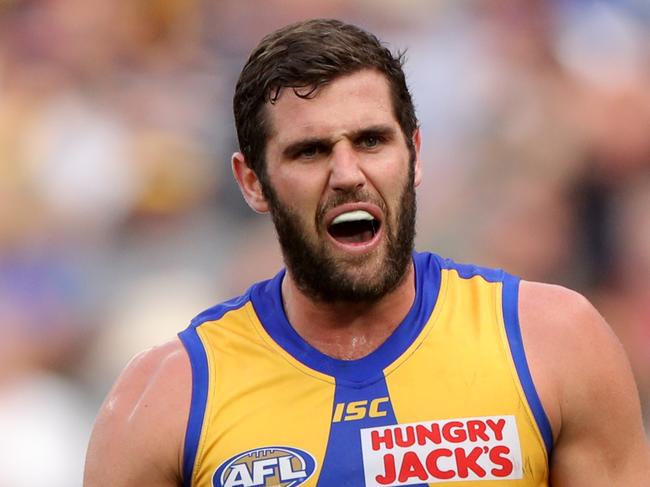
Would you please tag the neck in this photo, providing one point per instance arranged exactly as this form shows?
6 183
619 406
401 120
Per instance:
347 330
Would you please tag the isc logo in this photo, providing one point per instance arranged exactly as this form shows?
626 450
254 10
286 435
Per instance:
280 466
354 410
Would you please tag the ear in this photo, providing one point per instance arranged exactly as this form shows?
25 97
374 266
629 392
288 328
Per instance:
249 184
418 163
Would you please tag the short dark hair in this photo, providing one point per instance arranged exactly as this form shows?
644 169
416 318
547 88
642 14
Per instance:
307 55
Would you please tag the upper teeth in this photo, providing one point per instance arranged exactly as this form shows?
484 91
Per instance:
351 216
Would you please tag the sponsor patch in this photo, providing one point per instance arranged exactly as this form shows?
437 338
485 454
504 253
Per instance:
278 466
482 448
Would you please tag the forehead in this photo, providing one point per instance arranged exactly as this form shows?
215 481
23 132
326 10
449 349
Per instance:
346 104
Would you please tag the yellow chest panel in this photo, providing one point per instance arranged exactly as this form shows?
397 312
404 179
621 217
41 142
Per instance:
447 400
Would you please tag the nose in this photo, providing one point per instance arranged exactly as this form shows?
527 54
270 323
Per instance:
346 173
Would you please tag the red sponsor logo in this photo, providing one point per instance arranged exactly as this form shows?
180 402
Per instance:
485 448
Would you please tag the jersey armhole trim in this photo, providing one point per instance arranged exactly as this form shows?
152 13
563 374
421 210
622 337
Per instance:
513 332
199 362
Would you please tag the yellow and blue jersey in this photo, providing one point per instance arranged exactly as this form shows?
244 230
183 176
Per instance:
447 398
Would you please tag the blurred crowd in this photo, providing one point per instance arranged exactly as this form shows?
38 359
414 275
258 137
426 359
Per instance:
119 220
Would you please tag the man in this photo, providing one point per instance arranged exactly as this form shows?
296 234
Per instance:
365 363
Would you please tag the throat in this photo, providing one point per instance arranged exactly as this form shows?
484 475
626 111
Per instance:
344 330
349 347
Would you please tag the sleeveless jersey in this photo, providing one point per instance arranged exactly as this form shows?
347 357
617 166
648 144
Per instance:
447 399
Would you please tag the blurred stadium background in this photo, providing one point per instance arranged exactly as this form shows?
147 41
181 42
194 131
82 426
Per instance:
119 220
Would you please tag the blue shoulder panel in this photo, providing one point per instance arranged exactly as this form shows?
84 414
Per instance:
200 381
513 331
467 271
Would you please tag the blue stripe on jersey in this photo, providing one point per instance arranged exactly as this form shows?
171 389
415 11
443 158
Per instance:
200 384
513 331
343 462
267 301
200 381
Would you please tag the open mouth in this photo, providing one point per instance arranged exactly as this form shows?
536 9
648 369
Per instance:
354 227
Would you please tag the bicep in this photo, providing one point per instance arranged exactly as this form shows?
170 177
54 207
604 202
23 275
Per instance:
138 435
601 441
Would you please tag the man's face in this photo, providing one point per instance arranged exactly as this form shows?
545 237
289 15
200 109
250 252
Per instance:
340 188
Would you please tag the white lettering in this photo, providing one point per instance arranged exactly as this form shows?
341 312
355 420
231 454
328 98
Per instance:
239 476
287 472
263 469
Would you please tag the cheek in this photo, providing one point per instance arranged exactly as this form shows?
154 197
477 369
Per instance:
390 181
300 199
299 187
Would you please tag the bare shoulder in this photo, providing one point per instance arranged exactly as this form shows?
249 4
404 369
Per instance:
558 306
587 388
564 326
138 436
565 335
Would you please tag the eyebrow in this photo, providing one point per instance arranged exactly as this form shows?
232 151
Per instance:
325 143
386 131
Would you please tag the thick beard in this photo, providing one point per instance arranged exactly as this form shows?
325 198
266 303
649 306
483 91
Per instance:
320 276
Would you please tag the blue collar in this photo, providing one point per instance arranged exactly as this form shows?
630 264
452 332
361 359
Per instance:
267 301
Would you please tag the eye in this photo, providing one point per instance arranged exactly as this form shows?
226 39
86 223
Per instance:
309 152
370 141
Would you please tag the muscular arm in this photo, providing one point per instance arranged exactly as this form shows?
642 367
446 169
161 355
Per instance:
587 387
137 440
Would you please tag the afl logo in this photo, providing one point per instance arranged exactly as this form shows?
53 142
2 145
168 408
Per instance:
278 466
